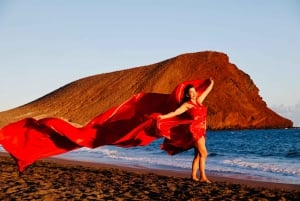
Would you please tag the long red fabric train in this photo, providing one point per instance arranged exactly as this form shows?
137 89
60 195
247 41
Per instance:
133 123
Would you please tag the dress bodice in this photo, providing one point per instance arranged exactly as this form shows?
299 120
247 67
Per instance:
198 112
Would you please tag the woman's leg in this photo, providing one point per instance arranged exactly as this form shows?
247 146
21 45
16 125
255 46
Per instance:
200 145
195 165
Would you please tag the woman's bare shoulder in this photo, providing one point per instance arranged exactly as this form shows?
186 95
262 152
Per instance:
188 105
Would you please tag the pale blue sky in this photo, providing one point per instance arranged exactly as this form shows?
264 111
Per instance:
47 44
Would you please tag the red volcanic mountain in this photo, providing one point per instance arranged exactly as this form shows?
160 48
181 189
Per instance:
234 102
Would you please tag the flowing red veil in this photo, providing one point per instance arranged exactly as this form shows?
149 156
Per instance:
132 123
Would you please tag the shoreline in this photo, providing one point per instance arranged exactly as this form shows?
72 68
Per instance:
60 179
165 172
174 173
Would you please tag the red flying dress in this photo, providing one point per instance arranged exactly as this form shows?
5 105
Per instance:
132 123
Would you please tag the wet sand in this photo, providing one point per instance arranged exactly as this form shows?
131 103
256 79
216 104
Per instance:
56 179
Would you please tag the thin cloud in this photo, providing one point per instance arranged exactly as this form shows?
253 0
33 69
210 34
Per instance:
290 112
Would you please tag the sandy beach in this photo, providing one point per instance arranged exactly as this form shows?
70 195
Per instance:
56 179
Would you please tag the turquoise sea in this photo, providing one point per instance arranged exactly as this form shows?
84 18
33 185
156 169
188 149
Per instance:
263 155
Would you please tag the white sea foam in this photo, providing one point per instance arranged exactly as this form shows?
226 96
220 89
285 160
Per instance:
264 166
2 149
133 157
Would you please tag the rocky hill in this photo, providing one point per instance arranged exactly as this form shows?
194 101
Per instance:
234 102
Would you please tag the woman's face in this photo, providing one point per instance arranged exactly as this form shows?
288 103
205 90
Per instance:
192 93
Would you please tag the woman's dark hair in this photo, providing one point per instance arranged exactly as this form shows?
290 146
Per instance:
186 97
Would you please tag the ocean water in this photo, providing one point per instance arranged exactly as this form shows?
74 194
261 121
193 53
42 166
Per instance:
262 155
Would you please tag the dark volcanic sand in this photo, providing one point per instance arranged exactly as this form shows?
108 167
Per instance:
56 180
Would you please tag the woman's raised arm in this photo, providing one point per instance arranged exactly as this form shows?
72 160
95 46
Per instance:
201 98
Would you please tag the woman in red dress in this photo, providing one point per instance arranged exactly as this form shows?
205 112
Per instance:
133 123
194 109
